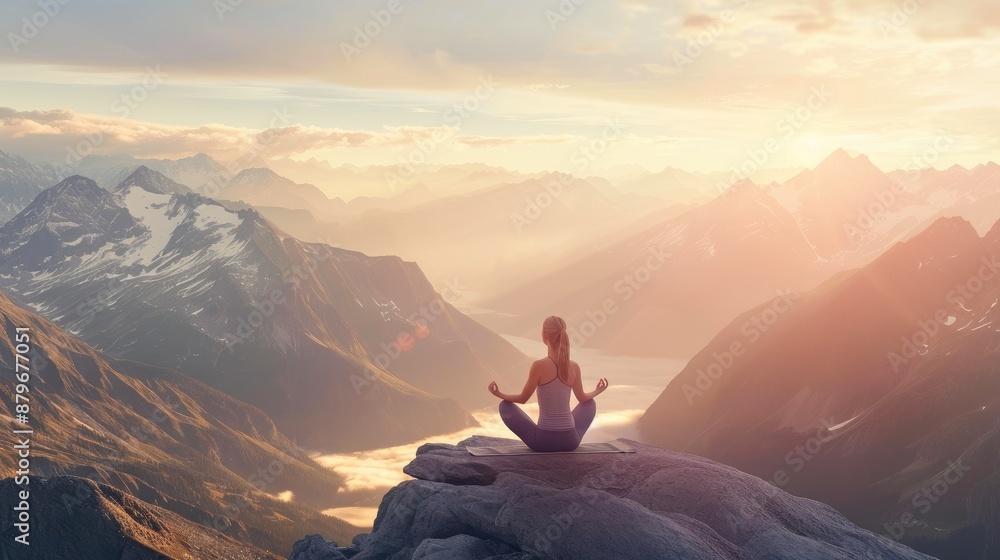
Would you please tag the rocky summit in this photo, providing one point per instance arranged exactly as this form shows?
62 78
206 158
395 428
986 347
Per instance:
651 504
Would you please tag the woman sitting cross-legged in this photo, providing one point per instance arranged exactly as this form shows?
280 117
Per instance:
555 376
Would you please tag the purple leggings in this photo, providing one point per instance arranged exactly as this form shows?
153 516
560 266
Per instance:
548 440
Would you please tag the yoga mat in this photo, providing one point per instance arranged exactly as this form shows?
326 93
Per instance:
521 449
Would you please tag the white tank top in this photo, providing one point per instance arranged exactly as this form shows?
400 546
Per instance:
553 406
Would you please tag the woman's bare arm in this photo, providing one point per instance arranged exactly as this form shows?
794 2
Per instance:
581 395
534 374
578 387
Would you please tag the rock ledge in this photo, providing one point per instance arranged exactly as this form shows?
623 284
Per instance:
651 504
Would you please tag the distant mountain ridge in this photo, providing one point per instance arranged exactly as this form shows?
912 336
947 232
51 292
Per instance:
262 187
491 237
20 183
200 172
385 181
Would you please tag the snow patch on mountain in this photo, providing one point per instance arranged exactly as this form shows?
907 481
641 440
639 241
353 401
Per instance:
154 212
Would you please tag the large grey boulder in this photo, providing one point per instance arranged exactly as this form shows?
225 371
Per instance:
648 505
315 547
461 546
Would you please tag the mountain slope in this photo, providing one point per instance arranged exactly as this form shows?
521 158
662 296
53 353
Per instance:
77 518
162 437
311 334
866 393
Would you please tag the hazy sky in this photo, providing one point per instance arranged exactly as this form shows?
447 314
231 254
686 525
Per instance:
698 85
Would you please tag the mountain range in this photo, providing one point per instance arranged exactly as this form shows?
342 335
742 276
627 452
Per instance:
324 340
200 172
666 289
386 181
491 238
738 250
877 392
841 323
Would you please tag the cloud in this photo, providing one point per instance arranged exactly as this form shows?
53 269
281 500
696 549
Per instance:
750 62
919 19
698 21
60 134
358 516
615 50
485 141
382 469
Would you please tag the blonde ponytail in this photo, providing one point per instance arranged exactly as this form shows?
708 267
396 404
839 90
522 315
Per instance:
555 336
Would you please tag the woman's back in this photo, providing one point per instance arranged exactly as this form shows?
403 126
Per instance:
553 401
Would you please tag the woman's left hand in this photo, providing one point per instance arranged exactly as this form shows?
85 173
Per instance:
602 384
495 390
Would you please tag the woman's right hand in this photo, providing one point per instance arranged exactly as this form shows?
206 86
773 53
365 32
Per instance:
601 386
